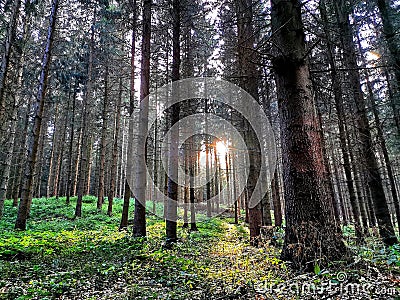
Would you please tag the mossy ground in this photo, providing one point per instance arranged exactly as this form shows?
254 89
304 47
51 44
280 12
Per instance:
60 257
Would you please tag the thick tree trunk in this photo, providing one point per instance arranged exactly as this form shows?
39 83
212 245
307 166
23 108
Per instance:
311 232
34 138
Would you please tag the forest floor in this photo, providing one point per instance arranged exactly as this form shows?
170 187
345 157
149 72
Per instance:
60 257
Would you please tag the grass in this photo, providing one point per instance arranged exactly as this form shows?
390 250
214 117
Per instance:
59 257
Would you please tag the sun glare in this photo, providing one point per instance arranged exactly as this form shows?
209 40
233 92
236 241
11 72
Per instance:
221 148
373 55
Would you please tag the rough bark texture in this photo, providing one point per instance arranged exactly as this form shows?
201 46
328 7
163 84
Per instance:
311 232
33 144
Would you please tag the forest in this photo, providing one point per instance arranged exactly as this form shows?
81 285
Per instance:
182 149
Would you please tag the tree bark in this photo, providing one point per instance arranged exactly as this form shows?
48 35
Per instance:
338 97
389 32
139 227
5 59
115 151
34 137
174 118
127 188
71 144
247 58
311 233
366 145
100 197
83 170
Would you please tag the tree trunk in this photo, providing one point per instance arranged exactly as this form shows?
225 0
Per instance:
52 153
83 171
7 161
365 139
139 227
247 58
389 32
34 137
5 59
311 233
100 197
127 188
71 144
115 150
338 96
174 118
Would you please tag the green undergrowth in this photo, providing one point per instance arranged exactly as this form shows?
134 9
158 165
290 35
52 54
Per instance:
60 257
89 258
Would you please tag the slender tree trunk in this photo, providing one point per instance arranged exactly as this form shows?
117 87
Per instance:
338 96
52 151
192 167
247 58
311 232
174 118
382 141
7 161
139 227
77 159
23 156
83 171
234 180
5 58
89 157
276 199
389 32
34 138
127 188
367 150
100 197
115 150
71 144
